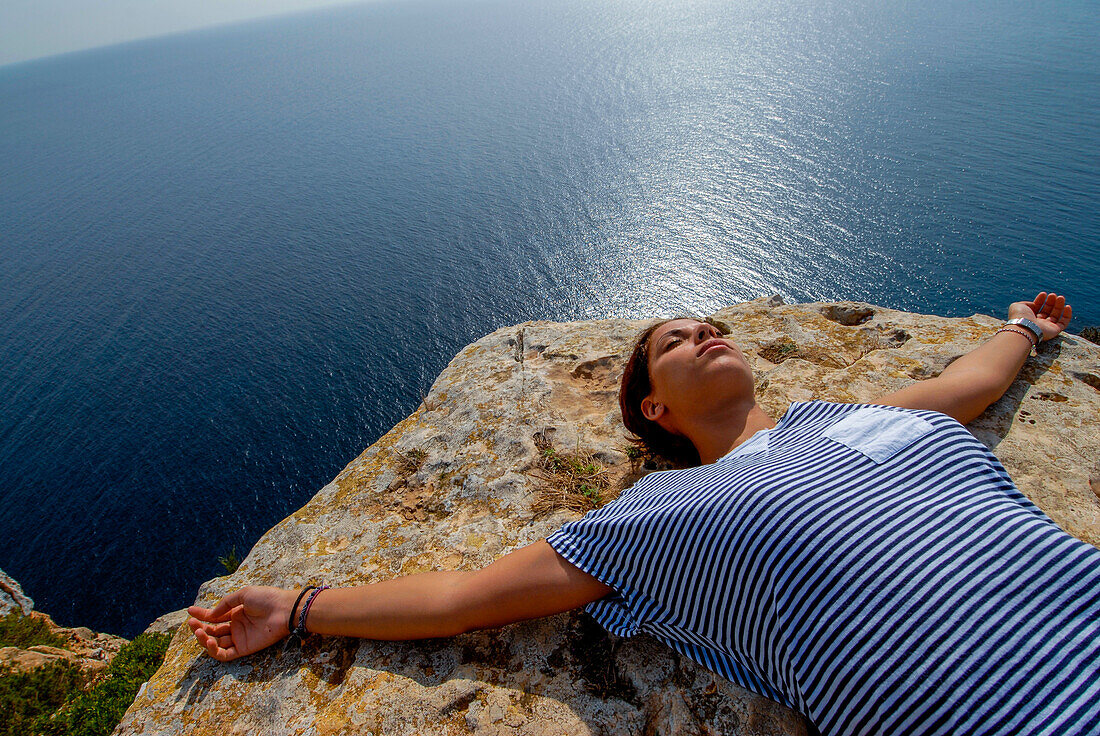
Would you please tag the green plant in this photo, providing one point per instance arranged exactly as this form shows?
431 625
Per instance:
636 455
17 630
97 711
28 697
591 494
230 561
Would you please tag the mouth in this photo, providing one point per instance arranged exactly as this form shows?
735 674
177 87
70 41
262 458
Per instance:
710 345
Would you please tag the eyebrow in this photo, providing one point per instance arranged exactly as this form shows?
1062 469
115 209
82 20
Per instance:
679 331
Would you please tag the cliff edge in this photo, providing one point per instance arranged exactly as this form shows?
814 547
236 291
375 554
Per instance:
89 650
465 479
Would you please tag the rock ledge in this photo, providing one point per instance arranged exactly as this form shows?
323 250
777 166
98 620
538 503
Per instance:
454 486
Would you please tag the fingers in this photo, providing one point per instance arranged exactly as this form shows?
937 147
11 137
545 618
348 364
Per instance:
1058 309
220 648
226 605
219 652
1049 305
1052 312
1036 304
1052 308
215 638
221 611
221 629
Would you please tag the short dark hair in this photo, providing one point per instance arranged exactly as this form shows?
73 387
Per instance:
650 437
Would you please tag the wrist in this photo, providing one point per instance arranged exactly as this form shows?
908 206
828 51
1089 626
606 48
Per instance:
289 601
307 606
299 610
1028 325
1028 339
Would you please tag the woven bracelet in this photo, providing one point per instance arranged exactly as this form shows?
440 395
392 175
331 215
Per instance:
290 624
300 630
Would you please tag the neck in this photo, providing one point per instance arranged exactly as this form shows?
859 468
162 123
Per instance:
717 433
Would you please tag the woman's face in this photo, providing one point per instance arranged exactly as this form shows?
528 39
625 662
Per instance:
692 369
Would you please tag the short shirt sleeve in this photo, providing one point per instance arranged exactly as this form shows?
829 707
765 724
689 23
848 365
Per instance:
607 544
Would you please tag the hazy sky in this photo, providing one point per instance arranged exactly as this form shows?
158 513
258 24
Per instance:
33 28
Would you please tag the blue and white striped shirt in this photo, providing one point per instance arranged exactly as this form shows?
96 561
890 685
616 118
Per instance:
872 567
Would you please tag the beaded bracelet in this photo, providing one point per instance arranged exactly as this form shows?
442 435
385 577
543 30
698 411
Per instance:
1030 337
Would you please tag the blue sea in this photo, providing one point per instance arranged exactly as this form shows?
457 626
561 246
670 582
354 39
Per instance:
231 259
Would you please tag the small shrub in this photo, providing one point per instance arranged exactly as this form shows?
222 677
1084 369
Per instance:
641 458
97 711
230 562
638 455
17 630
591 494
27 697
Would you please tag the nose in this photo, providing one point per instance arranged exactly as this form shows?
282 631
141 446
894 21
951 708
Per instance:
705 332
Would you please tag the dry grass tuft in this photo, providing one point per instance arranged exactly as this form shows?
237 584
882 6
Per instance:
574 481
409 462
779 351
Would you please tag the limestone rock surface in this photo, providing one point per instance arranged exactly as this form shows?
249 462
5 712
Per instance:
455 485
12 597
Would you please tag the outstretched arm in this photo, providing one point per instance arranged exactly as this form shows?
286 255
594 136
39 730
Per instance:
529 583
969 385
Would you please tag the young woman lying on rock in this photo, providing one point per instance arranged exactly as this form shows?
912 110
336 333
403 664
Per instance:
872 566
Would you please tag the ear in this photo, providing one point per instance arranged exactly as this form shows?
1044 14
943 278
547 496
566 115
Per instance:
651 410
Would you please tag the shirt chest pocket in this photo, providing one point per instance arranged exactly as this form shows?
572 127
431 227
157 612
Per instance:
878 433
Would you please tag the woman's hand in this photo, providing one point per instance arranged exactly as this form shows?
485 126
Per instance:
970 384
1049 311
243 622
